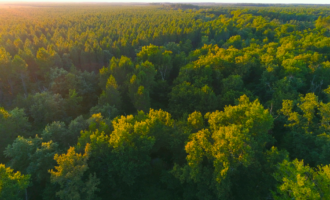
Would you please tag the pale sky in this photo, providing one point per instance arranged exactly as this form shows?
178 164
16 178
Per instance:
184 1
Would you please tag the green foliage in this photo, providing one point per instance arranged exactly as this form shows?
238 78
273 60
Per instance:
234 138
12 185
300 181
118 68
32 156
73 103
235 41
106 110
159 57
135 153
12 124
323 22
196 120
140 85
308 128
69 174
159 97
47 107
47 59
111 94
186 98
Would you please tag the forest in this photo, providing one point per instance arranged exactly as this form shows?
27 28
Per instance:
164 101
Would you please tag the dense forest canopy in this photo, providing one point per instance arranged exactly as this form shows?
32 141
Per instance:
164 101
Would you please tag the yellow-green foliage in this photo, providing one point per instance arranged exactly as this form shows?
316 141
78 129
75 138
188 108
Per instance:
177 101
299 181
234 138
12 184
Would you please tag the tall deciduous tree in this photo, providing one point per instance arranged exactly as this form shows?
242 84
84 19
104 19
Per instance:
159 57
111 94
235 138
69 175
12 124
299 181
20 69
12 184
308 129
140 85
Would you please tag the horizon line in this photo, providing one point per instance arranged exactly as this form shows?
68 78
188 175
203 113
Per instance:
155 2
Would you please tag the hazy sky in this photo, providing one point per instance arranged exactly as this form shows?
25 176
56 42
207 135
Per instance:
186 1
